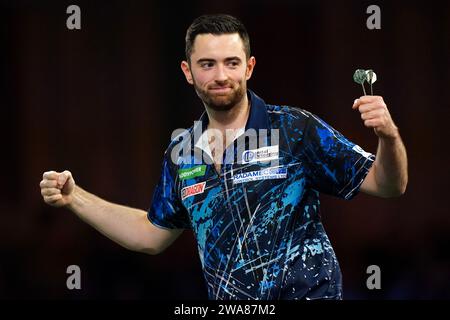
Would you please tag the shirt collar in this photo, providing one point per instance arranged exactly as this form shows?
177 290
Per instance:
257 119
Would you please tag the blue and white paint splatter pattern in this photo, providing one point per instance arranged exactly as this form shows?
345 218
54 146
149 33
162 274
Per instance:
263 238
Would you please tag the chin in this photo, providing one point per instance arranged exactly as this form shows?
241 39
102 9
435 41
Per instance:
221 103
221 107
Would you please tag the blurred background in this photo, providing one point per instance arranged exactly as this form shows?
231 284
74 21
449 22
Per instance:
103 101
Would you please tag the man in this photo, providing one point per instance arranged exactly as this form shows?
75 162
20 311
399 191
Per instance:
254 208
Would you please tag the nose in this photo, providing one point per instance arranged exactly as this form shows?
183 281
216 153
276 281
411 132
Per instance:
221 74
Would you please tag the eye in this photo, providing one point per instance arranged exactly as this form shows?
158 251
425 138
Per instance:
233 63
205 65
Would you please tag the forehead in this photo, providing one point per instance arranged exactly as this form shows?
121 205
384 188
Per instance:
218 46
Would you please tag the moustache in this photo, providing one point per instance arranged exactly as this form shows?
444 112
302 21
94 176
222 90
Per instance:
223 86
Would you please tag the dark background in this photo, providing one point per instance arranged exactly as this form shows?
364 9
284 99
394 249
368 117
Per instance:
103 101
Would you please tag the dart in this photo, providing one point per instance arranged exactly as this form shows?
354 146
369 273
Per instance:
371 77
359 77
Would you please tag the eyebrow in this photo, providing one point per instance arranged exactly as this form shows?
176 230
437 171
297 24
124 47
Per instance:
213 60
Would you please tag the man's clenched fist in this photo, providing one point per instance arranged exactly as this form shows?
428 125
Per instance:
57 188
375 114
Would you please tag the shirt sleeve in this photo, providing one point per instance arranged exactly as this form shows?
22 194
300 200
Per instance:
335 165
166 209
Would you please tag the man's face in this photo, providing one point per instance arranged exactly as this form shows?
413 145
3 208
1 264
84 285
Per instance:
219 70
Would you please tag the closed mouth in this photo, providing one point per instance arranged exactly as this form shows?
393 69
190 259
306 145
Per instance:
220 89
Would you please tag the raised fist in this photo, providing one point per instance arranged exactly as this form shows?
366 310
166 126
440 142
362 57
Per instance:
57 188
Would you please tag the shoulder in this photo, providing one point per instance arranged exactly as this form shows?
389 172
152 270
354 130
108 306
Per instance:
181 138
288 116
181 142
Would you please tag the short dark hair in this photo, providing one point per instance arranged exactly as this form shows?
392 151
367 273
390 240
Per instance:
216 24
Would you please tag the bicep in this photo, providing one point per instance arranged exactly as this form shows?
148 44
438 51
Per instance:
369 185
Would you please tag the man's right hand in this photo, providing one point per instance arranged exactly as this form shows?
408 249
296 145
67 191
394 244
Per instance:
127 226
57 188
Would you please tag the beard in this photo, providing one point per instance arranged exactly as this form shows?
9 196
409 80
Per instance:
222 101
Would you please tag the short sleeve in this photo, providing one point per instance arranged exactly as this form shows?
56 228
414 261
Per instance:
335 165
166 209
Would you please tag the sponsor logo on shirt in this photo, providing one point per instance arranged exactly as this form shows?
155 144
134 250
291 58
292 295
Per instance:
265 174
361 151
261 154
190 173
190 191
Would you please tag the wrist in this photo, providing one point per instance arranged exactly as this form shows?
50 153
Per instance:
74 199
392 137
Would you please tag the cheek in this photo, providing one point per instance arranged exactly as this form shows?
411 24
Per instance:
241 76
202 79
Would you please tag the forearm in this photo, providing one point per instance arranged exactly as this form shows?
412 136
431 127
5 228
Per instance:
119 223
391 166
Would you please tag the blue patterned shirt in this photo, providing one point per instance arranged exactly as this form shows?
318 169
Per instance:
258 225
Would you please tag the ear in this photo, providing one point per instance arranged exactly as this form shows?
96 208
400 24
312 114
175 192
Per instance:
250 66
187 71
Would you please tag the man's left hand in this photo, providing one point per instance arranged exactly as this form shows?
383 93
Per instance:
375 114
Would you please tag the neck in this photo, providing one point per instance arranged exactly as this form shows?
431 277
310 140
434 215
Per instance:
235 118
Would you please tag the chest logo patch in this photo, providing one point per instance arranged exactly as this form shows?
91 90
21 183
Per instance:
261 154
265 174
190 191
189 173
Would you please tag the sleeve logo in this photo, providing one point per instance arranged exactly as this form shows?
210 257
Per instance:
361 151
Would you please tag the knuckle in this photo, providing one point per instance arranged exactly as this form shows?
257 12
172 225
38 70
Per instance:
52 198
